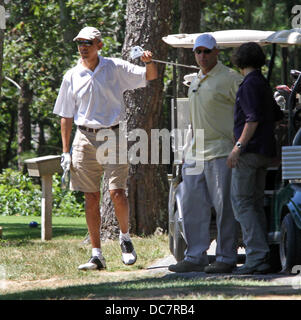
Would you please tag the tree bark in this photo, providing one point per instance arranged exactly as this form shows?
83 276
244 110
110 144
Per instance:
41 139
190 23
109 225
147 22
69 26
24 122
1 50
11 137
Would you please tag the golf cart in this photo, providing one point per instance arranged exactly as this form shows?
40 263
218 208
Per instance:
283 182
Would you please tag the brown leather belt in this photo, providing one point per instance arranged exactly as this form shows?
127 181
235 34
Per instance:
96 130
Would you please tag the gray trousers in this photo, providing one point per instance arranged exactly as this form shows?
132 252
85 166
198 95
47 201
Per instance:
247 193
201 192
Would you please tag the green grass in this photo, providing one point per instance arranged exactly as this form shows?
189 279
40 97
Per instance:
30 262
58 257
35 269
17 227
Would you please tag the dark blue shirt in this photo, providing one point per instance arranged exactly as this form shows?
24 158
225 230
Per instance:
255 103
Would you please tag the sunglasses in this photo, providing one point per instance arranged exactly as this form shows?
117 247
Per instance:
205 51
87 43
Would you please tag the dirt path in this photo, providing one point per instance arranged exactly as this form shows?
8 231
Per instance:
199 284
275 286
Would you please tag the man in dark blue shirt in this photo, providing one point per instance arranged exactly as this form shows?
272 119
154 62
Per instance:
255 147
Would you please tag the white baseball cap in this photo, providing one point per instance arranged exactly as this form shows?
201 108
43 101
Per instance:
88 33
205 40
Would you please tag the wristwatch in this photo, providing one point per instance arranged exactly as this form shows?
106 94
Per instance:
239 145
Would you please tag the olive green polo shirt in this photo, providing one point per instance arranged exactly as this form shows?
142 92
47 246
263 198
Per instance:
211 101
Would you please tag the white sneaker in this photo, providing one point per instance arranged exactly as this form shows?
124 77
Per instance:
95 263
129 255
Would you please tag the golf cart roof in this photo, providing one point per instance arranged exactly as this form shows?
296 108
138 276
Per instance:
234 38
285 37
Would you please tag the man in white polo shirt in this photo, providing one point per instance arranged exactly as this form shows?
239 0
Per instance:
91 95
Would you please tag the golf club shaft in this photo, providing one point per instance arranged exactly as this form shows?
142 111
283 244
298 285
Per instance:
176 64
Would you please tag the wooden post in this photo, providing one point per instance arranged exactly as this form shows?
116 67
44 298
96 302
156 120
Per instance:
46 223
45 167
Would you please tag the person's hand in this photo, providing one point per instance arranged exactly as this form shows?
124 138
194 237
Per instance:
146 57
280 100
66 161
233 157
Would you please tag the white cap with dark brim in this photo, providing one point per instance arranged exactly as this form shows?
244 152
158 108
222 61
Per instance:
205 40
88 33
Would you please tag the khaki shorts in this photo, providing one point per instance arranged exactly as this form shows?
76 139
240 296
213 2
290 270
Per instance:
86 171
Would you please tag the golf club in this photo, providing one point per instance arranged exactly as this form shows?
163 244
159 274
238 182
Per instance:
65 179
137 52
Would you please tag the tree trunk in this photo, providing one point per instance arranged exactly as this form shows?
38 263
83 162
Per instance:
190 23
41 139
1 45
109 225
11 137
69 26
24 122
147 22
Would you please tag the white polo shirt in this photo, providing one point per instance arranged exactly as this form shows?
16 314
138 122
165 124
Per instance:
95 99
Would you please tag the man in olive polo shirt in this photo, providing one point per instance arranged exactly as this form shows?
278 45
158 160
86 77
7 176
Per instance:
211 98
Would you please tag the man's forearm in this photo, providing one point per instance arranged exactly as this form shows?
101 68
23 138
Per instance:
151 67
66 128
248 132
151 71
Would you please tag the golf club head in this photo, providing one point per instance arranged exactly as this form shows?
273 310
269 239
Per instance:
65 179
136 52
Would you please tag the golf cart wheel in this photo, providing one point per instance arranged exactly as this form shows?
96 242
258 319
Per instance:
179 244
290 244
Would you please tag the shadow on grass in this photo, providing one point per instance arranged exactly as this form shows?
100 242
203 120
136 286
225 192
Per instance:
155 288
18 231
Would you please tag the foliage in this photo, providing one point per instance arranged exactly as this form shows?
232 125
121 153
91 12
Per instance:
19 195
107 15
39 49
65 202
223 15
